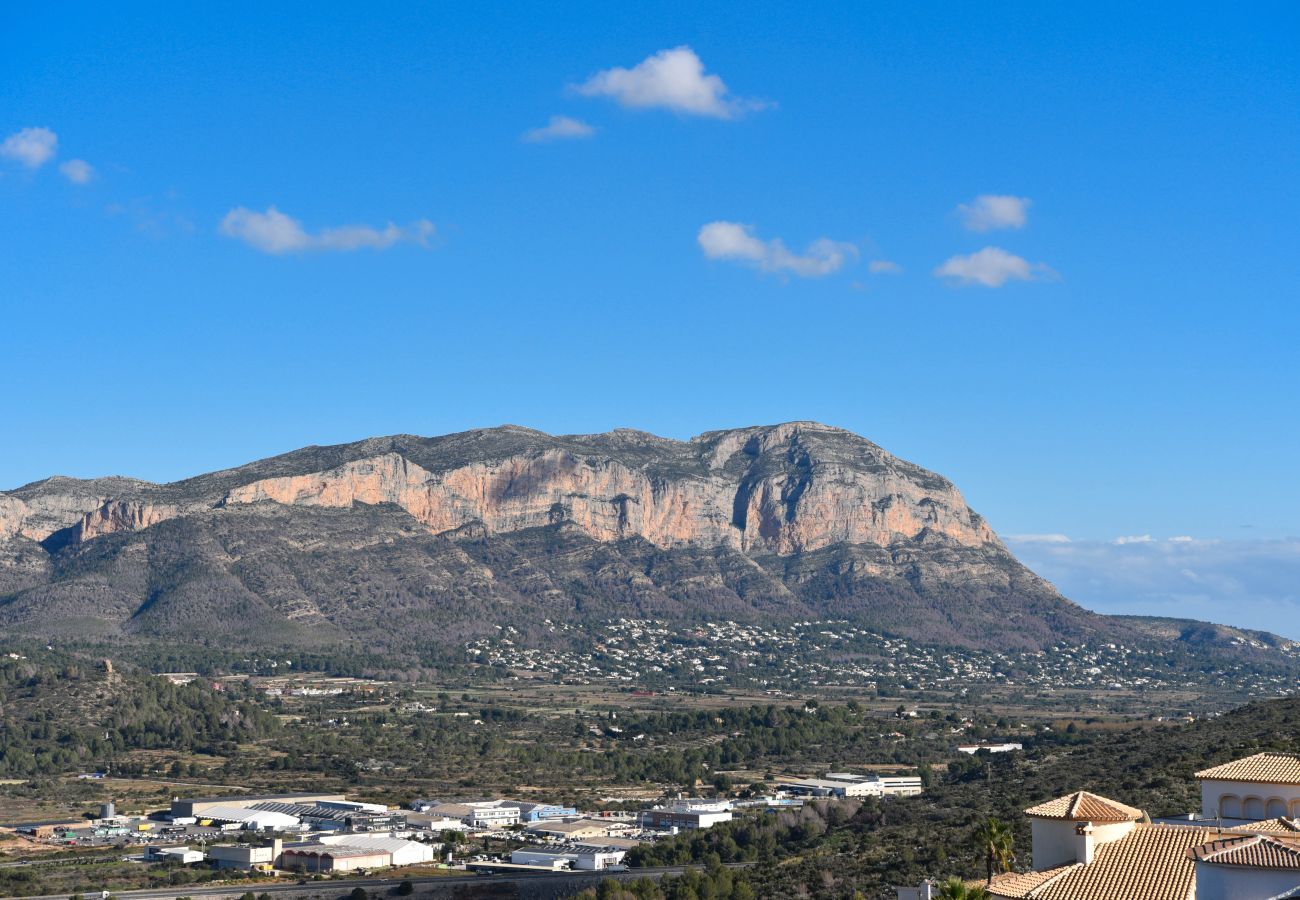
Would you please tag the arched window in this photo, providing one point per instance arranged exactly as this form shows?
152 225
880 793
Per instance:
1230 806
1275 809
1253 808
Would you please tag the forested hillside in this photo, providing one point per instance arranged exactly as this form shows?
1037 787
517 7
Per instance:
836 849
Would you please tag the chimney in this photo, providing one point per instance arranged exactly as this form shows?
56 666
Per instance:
1083 846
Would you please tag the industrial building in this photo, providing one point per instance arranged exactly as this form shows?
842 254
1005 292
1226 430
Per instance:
588 858
843 784
687 814
333 858
248 819
580 830
195 806
478 813
335 815
245 856
401 852
541 812
183 855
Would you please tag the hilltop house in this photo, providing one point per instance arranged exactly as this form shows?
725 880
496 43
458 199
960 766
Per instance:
1263 786
1088 847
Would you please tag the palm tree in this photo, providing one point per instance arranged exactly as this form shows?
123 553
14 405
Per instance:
997 844
956 889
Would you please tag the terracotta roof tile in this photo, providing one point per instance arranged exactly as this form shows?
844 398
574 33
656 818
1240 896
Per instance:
1082 806
1021 885
1273 768
1256 851
1269 826
1149 863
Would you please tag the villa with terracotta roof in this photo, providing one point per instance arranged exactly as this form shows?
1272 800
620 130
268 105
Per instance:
1245 867
1263 786
1088 847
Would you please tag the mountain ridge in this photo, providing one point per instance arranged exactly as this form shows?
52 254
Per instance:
437 535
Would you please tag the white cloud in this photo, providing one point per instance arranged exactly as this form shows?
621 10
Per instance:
33 147
78 171
989 212
1250 584
274 232
884 267
991 267
670 79
735 242
1133 539
1039 538
560 128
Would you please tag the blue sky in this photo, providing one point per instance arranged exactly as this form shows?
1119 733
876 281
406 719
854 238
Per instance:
230 232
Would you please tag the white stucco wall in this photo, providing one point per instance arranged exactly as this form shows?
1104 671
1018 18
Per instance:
1249 800
1057 842
1238 883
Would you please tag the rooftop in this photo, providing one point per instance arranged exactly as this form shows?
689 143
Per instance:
1269 826
1255 851
1017 885
1082 806
1271 768
1149 863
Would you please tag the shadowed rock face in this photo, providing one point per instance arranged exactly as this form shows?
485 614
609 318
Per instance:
406 542
784 489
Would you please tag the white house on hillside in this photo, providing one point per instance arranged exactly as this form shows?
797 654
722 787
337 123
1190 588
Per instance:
1263 786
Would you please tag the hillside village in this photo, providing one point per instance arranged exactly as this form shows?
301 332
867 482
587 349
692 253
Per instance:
835 653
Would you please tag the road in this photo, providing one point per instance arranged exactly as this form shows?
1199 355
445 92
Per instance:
528 886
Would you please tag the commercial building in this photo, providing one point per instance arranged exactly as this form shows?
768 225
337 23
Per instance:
335 816
248 819
588 858
687 814
333 858
580 830
842 784
183 855
401 852
478 813
195 806
245 856
541 812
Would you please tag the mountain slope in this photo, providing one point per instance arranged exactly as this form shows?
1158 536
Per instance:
406 540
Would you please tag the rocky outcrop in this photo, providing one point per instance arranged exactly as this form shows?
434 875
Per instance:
758 490
783 490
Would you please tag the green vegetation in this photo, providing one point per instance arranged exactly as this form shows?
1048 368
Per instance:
833 849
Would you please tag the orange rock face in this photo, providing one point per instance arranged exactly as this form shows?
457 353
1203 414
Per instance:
784 489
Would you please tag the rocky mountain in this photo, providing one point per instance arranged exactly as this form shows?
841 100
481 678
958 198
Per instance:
402 541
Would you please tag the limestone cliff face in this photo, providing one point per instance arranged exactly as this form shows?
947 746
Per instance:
784 489
39 510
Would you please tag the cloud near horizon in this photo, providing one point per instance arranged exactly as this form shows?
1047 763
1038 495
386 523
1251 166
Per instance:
1247 584
277 233
670 79
33 147
991 267
990 212
735 242
559 128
